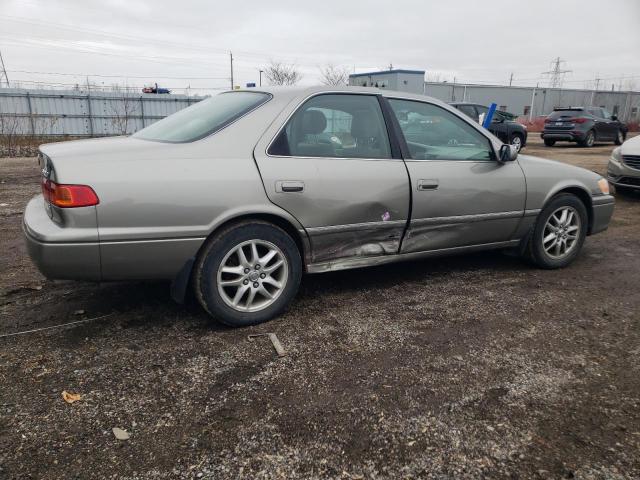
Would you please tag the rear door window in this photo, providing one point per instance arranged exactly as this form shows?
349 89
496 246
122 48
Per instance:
337 126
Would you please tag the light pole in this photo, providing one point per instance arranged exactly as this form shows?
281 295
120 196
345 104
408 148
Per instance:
261 77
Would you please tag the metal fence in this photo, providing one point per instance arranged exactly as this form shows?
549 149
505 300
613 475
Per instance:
535 101
82 113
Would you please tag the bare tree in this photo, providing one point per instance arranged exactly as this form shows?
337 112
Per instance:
123 109
11 129
278 73
435 77
332 75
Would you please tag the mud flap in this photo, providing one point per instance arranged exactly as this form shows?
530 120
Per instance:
181 281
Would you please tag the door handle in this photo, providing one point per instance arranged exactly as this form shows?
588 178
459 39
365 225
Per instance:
288 186
428 184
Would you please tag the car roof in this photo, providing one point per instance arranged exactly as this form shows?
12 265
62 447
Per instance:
562 109
298 91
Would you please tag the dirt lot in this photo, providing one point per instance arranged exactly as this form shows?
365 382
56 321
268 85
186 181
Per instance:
465 367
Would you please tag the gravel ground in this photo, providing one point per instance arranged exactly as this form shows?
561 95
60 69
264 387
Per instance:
464 367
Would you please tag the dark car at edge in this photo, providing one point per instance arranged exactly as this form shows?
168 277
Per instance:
502 125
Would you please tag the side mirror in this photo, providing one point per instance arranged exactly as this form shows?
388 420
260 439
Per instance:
508 153
614 118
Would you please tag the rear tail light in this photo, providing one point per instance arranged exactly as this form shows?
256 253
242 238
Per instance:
572 120
68 196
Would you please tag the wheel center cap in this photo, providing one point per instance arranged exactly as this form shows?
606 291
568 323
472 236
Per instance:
253 276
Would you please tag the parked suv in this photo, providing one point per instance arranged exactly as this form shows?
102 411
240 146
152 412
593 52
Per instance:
584 125
502 126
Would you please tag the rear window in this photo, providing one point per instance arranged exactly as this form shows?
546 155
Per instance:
566 114
203 118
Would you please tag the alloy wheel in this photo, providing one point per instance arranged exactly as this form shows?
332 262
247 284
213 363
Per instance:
252 275
516 141
590 139
561 232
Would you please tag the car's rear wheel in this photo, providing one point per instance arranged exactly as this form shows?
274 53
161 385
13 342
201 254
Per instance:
549 143
248 273
589 139
559 233
516 141
619 138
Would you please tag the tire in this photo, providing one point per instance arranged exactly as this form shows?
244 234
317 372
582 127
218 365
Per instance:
589 140
517 140
545 257
549 143
620 137
253 306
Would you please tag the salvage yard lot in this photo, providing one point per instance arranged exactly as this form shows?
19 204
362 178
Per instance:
461 367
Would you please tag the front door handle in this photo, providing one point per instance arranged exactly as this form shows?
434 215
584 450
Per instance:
288 186
428 184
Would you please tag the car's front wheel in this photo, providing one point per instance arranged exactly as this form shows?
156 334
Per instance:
549 143
559 233
516 141
619 138
248 273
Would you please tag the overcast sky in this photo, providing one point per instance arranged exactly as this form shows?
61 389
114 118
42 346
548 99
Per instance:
182 43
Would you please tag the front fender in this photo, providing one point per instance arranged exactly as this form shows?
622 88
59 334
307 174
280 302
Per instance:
546 178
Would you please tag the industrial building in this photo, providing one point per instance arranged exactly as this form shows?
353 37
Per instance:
528 102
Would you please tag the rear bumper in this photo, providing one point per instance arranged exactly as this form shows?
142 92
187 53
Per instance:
54 250
569 136
603 206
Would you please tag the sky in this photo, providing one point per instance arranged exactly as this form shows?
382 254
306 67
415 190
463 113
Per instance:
181 44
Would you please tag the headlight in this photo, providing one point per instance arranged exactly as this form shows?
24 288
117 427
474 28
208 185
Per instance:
603 185
616 154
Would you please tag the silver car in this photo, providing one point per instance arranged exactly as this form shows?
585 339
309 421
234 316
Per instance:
624 165
239 195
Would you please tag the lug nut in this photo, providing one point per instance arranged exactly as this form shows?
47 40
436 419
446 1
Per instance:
246 270
262 275
246 282
255 285
258 267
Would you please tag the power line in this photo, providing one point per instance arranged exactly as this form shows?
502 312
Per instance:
124 75
194 47
126 87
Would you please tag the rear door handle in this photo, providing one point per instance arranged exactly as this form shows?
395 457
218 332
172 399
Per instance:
428 184
288 186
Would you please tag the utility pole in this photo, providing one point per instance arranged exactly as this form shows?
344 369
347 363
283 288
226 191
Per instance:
593 93
261 77
533 102
556 73
3 71
231 65
511 79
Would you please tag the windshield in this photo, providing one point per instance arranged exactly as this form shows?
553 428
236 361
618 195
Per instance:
203 118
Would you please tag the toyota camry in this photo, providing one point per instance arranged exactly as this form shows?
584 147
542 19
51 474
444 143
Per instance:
240 194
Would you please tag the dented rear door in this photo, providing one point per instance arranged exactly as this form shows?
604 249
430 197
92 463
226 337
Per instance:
329 162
